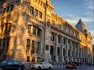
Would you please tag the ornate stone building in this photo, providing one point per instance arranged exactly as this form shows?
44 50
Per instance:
31 31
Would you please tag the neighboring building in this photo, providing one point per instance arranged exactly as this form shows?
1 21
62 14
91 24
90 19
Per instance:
31 31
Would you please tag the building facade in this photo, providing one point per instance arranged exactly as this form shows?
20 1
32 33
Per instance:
31 31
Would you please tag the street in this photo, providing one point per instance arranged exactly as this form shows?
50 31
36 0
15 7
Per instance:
78 68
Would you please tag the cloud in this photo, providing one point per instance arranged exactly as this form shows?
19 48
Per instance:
91 7
88 13
92 32
75 20
87 19
89 4
71 15
72 21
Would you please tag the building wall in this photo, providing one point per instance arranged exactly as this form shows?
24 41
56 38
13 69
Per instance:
37 33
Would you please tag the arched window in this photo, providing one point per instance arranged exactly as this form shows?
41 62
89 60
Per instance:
39 32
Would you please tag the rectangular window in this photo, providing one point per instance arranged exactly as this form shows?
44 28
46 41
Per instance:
4 10
32 10
33 45
34 30
63 52
0 29
7 44
28 58
53 23
47 47
3 44
9 27
58 51
40 14
64 40
52 37
2 26
68 53
0 43
6 28
11 7
7 9
59 39
38 47
1 2
29 29
69 43
36 12
28 45
39 32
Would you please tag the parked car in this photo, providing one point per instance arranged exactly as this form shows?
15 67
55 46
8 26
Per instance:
1 59
42 65
11 65
70 65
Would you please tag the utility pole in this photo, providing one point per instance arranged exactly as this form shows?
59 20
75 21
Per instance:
45 17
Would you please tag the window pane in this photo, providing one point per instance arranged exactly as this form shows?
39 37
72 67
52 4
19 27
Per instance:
8 9
28 45
34 30
33 45
29 29
40 14
47 47
36 12
7 43
52 37
32 10
39 32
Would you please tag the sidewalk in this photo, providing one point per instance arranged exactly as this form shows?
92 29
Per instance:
27 66
58 66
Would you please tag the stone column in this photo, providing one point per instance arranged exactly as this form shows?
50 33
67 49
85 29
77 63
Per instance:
61 53
75 51
67 57
56 57
71 51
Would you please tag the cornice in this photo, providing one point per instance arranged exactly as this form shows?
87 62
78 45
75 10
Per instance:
65 33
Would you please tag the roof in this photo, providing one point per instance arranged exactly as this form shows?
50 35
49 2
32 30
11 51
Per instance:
81 26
